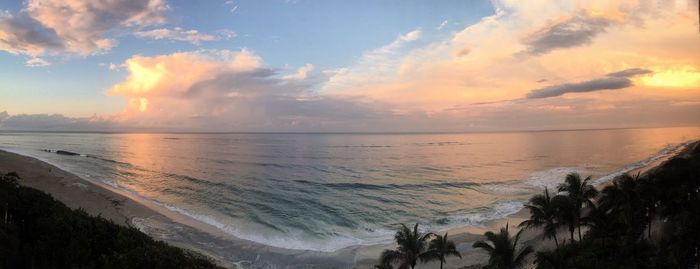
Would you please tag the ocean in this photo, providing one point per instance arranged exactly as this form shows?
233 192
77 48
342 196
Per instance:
325 192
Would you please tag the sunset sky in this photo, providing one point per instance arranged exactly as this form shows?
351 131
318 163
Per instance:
348 66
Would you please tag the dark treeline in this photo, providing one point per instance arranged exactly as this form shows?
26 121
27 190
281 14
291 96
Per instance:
637 222
38 232
652 221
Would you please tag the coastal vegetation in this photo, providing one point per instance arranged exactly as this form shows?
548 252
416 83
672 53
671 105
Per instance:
502 249
37 231
414 246
641 221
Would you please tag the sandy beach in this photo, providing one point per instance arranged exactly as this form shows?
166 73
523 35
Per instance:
179 230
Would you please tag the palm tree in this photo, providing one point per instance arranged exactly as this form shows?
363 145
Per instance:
411 248
567 214
502 249
543 212
440 247
650 196
624 201
581 194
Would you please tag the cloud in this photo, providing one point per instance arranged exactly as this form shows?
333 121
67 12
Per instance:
410 36
607 83
445 82
302 72
568 45
611 81
77 26
177 33
630 72
230 90
373 67
37 62
26 36
54 122
232 4
226 34
442 25
569 32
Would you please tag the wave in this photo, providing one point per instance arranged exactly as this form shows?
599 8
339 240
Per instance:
443 143
287 240
70 153
367 186
496 211
664 153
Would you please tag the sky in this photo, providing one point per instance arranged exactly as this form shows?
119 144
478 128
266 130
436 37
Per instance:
348 66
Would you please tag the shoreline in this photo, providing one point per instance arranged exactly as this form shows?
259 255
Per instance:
130 210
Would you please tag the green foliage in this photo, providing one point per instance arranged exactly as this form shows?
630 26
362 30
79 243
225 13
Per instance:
620 234
40 232
544 212
580 193
502 249
602 253
440 248
412 246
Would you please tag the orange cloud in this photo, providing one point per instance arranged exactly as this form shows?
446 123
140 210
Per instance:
175 74
561 42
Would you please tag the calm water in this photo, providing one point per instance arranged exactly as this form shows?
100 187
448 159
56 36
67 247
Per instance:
328 191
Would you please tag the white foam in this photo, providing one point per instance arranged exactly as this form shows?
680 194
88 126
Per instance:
499 210
665 152
553 177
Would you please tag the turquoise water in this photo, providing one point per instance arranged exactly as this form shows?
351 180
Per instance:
330 191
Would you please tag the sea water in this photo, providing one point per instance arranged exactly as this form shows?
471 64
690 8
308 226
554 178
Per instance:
325 192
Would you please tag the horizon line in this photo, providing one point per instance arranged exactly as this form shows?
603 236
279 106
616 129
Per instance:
345 132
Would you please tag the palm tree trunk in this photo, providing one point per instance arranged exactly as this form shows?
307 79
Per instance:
571 231
649 228
441 264
556 242
579 232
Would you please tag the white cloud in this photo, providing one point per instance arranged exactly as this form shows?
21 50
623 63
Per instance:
302 72
442 25
374 66
226 34
179 34
410 36
232 4
37 62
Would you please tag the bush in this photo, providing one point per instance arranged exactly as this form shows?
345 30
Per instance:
40 232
